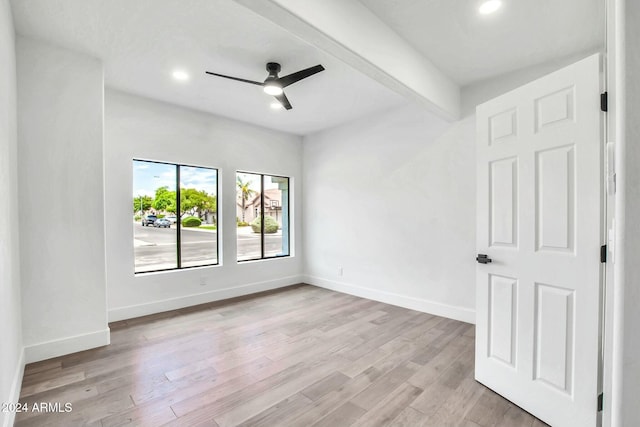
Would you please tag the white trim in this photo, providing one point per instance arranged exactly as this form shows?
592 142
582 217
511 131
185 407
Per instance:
432 307
68 345
613 291
14 392
618 399
131 311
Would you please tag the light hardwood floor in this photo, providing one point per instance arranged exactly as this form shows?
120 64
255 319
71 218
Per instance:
300 356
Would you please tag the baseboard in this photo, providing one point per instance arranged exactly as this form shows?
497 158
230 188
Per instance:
129 312
68 345
452 312
8 418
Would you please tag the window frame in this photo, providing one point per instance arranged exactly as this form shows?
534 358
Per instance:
262 208
178 219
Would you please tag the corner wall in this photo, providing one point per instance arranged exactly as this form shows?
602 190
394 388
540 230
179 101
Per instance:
11 355
60 172
137 127
389 211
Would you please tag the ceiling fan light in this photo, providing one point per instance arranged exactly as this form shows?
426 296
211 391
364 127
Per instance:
272 89
276 105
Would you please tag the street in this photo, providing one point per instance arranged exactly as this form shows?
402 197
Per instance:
155 248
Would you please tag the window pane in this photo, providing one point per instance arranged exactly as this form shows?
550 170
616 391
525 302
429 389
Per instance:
199 213
154 197
276 212
247 212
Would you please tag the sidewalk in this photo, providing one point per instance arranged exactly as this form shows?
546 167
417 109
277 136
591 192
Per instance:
248 230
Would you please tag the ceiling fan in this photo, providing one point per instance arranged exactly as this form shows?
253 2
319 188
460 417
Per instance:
274 85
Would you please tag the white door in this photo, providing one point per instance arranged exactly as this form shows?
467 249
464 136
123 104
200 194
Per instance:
539 205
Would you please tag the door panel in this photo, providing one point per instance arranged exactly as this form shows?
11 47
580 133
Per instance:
503 313
503 126
554 108
539 196
504 202
554 336
555 199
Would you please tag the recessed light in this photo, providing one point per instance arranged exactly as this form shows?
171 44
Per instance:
180 75
489 7
276 105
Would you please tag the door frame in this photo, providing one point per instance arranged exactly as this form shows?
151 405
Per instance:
615 400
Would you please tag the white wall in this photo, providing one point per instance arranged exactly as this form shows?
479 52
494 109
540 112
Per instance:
60 98
11 361
141 128
631 212
390 199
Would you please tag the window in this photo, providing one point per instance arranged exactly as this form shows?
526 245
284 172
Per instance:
262 197
175 216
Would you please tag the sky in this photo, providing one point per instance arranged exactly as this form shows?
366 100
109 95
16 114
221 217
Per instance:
254 179
148 176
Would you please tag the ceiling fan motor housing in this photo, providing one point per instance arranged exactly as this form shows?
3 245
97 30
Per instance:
273 68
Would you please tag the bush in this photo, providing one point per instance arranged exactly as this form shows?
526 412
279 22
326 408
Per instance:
191 221
160 216
242 223
137 217
270 225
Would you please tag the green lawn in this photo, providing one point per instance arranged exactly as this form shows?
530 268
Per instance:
208 227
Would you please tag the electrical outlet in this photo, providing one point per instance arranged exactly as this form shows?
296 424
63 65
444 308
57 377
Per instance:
340 271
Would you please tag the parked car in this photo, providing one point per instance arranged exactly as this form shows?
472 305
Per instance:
172 218
162 222
149 220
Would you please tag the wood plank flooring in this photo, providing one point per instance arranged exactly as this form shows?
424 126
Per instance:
299 356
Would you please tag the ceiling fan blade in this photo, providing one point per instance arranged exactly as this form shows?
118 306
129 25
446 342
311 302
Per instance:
284 101
303 74
235 78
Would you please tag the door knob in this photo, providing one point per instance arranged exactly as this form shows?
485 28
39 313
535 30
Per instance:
483 259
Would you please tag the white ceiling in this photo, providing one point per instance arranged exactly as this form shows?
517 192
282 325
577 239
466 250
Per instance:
142 41
469 47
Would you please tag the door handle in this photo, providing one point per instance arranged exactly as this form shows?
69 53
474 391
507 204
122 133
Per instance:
483 259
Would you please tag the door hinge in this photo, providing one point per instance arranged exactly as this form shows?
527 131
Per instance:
604 101
603 253
600 402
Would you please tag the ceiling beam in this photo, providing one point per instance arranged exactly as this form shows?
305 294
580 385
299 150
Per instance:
351 32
